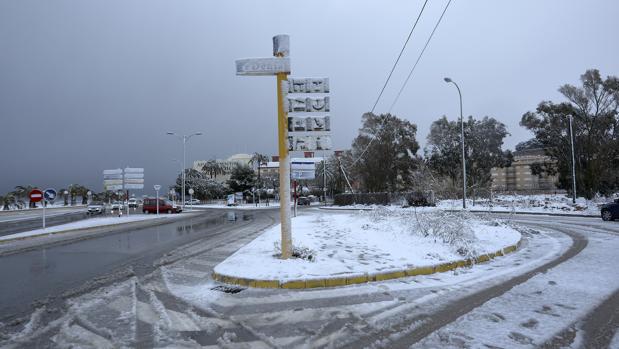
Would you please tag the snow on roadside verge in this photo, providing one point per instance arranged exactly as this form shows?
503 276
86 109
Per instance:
87 223
383 240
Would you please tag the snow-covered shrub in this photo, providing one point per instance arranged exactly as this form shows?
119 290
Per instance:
300 252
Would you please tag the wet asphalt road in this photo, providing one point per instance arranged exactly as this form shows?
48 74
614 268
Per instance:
49 271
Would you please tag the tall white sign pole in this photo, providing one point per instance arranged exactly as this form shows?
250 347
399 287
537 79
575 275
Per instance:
280 67
284 167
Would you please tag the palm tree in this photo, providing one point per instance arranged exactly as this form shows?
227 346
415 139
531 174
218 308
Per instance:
22 191
258 159
213 168
7 200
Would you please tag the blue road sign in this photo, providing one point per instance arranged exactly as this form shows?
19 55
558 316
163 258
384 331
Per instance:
50 194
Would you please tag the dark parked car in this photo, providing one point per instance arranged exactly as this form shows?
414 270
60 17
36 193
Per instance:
610 211
165 206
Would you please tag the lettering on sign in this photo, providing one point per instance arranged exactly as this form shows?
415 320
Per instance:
307 104
262 66
300 124
307 143
307 85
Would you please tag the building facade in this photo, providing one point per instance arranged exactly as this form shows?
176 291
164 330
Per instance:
519 178
226 165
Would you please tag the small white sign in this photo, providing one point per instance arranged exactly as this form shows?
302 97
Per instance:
307 104
308 143
309 124
306 85
262 66
113 187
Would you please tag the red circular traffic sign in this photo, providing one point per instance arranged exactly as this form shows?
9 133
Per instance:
35 195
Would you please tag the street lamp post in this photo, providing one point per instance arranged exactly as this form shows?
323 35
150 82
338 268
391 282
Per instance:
184 138
448 80
157 187
573 162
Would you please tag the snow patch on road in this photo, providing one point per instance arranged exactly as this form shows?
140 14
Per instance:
88 223
532 313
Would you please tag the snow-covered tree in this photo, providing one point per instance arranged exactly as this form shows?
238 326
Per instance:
483 142
242 179
388 162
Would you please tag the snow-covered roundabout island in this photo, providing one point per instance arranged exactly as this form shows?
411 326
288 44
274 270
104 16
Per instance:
336 248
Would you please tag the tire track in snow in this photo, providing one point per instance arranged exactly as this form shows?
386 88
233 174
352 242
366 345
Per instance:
446 315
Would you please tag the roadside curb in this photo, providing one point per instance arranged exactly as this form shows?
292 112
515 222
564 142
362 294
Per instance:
354 279
141 223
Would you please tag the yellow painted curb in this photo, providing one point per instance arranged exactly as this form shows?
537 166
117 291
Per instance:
420 271
360 279
294 284
335 282
389 276
357 280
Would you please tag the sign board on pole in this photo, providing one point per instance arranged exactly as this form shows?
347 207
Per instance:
303 170
35 195
309 125
119 179
262 66
134 178
113 179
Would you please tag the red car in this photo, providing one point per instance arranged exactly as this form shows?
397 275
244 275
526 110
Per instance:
165 206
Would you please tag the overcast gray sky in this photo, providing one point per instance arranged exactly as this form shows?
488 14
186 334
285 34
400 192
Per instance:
91 85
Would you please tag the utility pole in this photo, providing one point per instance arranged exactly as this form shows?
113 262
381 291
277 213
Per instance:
573 163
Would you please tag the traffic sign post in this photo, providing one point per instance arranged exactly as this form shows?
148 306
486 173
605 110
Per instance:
36 195
49 195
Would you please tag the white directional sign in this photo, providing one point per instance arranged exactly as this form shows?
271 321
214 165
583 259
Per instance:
134 178
113 179
119 179
262 66
303 170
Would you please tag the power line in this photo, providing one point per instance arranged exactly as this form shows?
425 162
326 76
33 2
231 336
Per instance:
400 55
407 79
420 55
391 73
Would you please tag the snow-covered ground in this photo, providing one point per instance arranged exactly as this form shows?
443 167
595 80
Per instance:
530 203
357 243
88 223
261 206
13 208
